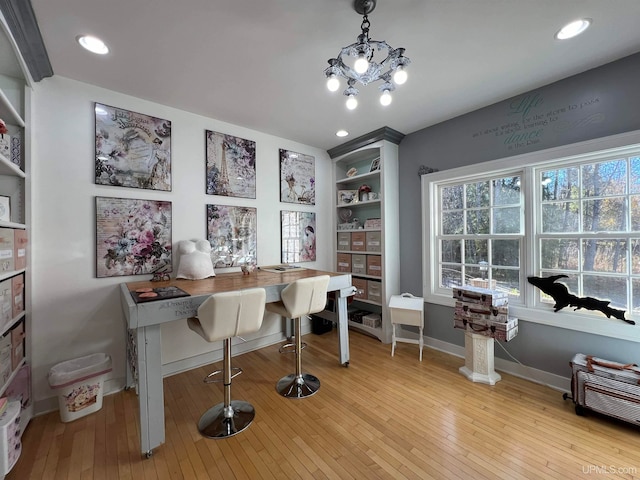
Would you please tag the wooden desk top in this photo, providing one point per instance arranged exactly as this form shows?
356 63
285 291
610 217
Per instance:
160 311
226 282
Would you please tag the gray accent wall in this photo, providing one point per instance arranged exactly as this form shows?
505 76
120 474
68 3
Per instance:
594 104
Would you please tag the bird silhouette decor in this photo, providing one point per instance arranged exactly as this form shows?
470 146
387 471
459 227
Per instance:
560 293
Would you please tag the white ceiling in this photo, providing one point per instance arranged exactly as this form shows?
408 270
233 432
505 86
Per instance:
260 63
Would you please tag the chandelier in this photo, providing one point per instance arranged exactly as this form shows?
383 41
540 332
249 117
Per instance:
391 71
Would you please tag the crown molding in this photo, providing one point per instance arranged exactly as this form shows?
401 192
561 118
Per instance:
22 22
384 133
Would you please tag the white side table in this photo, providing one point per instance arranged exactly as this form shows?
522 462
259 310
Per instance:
478 364
406 309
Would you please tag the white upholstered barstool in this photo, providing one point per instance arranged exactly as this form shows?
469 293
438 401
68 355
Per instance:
302 297
223 316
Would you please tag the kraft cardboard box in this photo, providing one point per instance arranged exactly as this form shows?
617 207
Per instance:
358 241
361 288
344 262
17 333
17 354
17 294
6 302
6 250
374 265
20 241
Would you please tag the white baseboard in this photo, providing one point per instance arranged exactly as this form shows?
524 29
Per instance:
551 380
114 385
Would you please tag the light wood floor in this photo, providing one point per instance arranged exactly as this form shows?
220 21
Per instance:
381 417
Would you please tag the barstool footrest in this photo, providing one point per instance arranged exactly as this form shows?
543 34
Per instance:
291 347
209 378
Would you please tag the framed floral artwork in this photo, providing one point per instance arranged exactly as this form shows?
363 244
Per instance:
231 165
297 178
233 236
298 238
132 149
133 237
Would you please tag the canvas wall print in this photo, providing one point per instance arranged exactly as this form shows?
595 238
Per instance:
132 149
231 165
133 237
297 178
233 236
298 236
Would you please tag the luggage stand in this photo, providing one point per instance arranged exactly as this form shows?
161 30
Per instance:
604 386
478 362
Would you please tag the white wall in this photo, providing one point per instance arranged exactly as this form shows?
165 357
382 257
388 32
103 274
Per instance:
73 312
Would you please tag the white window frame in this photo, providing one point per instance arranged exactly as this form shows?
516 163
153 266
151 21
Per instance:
528 309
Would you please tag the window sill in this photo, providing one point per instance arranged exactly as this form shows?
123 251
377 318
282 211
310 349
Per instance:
593 323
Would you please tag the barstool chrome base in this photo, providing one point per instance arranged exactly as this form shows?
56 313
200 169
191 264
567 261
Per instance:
293 386
214 423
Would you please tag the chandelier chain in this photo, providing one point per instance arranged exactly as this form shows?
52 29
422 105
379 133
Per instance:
365 27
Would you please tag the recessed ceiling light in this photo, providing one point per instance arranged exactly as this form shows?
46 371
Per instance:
572 29
93 44
342 133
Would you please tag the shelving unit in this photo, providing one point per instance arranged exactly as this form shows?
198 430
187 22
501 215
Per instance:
14 241
366 239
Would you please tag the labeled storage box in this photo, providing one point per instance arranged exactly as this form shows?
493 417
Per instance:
358 241
17 353
17 294
372 320
344 262
20 387
10 445
7 263
373 240
6 302
20 242
374 291
361 288
344 241
80 384
374 265
5 358
358 264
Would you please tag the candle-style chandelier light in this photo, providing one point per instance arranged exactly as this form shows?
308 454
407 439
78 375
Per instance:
391 71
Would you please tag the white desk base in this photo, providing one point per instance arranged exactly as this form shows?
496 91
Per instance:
478 363
144 352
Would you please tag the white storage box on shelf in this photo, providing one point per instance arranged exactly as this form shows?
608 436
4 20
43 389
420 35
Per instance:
10 446
80 383
408 310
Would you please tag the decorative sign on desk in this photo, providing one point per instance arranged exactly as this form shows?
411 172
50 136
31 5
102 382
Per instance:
142 295
281 268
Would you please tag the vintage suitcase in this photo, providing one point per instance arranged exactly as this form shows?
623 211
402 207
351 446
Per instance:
607 387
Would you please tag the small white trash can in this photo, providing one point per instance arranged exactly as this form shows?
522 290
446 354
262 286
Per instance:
80 384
